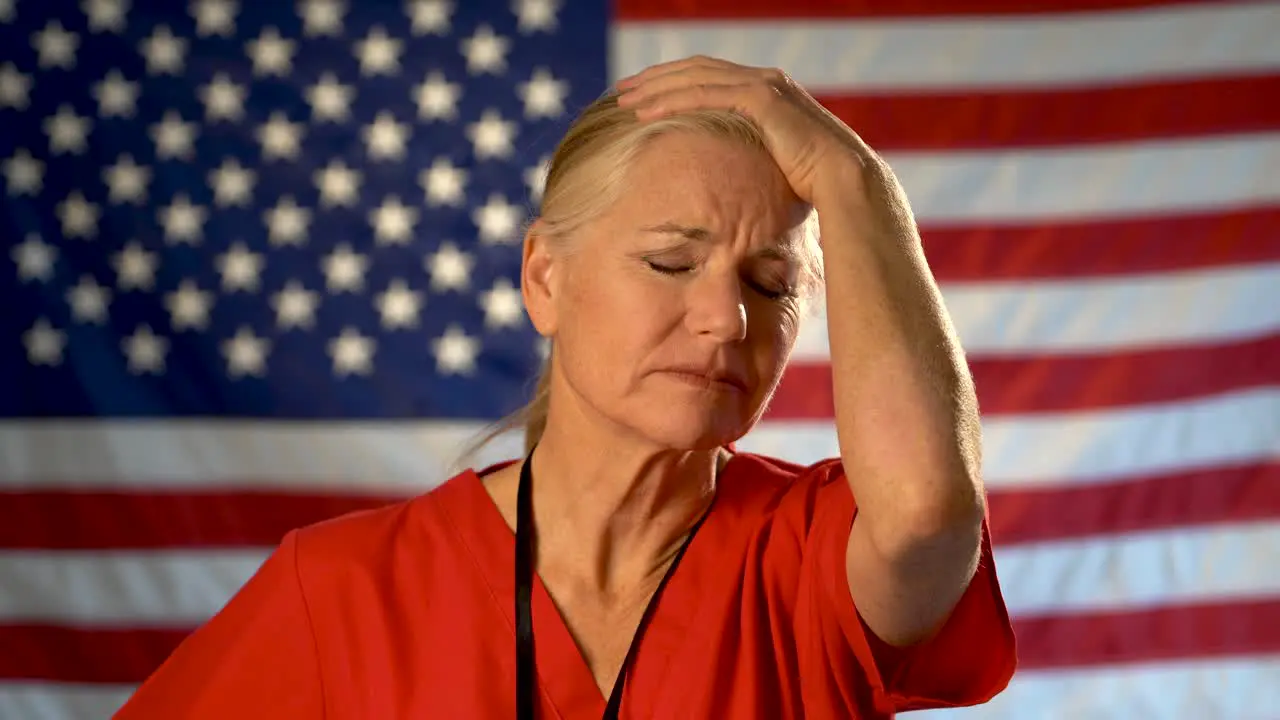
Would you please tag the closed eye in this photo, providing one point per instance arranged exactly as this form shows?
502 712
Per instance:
668 269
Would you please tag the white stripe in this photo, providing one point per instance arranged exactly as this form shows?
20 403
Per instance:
1019 450
60 701
183 588
966 53
1242 688
1141 570
1098 314
1071 448
1089 181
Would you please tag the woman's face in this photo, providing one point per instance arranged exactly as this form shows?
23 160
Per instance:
673 314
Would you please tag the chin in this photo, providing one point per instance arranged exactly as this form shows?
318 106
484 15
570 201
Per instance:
677 430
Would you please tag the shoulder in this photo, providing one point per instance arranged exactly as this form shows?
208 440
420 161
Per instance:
785 495
365 540
775 481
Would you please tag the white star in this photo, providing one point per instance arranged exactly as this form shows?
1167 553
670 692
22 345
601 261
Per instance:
450 268
223 99
34 258
126 181
246 353
145 351
45 343
295 306
280 138
183 222
444 183
429 17
79 217
189 306
232 184
330 99
386 138
503 305
135 267
271 54
344 269
339 185
322 17
437 98
240 268
7 11
492 136
497 219
379 54
23 174
534 15
214 17
455 352
106 15
287 222
352 353
165 52
399 306
536 177
15 88
173 137
55 46
116 96
543 95
68 132
486 52
393 221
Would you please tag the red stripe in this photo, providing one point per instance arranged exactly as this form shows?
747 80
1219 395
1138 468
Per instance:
1168 633
85 520
1056 383
1108 247
657 10
129 656
159 519
1209 496
996 119
86 655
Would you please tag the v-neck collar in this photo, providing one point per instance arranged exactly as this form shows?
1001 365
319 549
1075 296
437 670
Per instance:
563 673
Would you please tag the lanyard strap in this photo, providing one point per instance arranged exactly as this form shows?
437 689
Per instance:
526 672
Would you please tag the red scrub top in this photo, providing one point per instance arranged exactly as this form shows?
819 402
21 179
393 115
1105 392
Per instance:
407 611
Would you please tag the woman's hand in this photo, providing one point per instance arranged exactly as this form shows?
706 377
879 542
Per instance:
816 152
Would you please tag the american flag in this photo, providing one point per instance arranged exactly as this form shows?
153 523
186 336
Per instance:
261 263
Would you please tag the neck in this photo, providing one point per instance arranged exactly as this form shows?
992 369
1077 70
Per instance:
611 510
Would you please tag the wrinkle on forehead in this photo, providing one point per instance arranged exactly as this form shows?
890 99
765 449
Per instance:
714 185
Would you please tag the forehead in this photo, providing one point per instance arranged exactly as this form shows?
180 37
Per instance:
723 186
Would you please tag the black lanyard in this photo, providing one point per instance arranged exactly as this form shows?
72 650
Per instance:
526 675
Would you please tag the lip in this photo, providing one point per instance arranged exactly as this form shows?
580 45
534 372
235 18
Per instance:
722 379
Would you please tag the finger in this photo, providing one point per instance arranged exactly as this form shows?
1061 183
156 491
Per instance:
691 76
671 66
745 98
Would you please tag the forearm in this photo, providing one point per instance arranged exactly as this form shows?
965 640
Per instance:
905 409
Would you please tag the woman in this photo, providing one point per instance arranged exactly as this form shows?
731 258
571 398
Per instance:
653 569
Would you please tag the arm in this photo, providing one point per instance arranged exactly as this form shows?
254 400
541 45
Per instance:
906 416
906 413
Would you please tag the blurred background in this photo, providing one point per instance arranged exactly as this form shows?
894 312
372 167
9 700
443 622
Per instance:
260 264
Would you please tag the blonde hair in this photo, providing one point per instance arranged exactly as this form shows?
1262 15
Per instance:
585 177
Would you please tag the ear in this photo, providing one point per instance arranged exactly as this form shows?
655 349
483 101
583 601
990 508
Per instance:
537 279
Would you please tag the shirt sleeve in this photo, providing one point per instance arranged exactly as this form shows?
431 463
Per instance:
255 658
967 662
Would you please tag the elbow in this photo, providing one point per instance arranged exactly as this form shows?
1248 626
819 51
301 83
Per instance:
945 523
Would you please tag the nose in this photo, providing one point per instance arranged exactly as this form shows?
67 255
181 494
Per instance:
717 309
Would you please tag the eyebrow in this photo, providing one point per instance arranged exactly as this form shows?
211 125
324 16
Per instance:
701 235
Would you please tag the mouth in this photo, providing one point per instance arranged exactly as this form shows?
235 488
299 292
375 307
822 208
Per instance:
709 380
